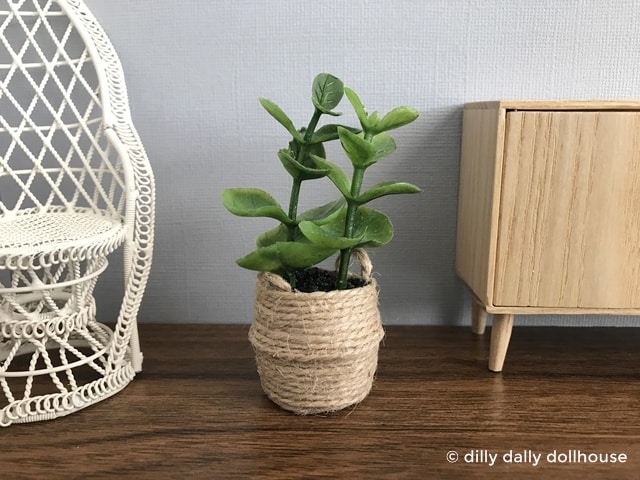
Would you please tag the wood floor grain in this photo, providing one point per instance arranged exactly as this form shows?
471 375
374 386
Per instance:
197 411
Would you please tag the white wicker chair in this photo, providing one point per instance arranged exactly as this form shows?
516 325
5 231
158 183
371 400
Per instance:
75 184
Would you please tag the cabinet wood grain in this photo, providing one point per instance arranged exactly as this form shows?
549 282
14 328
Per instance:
478 199
569 224
549 210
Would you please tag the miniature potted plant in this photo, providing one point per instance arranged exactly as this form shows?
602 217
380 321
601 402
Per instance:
316 333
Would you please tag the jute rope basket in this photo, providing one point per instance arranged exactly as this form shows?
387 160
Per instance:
316 352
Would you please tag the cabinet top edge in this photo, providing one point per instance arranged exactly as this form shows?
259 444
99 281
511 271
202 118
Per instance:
555 105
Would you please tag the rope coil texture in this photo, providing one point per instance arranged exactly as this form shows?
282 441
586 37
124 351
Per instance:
316 352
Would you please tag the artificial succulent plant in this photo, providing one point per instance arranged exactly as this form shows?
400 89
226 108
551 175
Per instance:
302 240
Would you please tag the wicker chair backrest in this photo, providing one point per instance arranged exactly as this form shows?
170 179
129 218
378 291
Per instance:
54 151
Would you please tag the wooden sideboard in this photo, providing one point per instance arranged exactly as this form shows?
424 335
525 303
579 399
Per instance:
549 211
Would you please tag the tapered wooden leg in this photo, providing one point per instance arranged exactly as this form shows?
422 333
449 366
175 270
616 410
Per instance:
500 335
478 317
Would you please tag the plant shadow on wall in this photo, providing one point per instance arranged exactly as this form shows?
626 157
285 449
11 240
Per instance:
316 332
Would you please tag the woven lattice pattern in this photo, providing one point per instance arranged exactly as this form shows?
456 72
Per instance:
36 232
75 184
51 130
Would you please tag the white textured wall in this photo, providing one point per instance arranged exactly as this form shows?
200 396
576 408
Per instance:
196 67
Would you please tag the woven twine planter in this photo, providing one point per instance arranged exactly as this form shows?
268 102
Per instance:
316 352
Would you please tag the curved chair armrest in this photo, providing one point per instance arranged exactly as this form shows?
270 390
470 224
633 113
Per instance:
140 185
140 228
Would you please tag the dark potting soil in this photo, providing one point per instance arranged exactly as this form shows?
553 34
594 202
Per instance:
316 279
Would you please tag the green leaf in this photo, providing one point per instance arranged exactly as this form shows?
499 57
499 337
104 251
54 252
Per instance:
359 151
253 202
297 170
317 149
327 91
325 213
329 132
303 152
372 228
279 256
319 215
261 260
373 119
336 175
276 112
326 133
384 145
328 235
277 234
396 118
358 107
302 255
387 188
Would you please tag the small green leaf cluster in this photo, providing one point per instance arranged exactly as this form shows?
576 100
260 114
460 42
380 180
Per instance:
303 240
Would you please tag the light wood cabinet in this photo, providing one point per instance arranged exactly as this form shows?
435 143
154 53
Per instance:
549 211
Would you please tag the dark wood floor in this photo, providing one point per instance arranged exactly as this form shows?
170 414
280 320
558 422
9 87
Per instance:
197 411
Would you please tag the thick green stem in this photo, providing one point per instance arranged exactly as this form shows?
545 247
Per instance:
293 209
308 135
294 197
350 220
291 229
349 226
291 278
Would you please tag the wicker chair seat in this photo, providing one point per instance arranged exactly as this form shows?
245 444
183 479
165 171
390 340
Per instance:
78 233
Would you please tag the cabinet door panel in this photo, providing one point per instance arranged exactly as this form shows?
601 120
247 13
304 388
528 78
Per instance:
569 224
